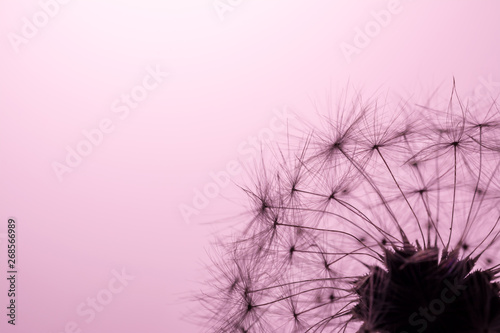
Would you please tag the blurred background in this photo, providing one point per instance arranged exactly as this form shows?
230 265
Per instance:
122 121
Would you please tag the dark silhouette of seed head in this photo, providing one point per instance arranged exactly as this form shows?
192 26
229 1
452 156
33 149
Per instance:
421 290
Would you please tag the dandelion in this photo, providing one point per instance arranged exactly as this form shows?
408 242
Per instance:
386 219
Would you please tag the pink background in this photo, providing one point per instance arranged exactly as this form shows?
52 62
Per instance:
119 209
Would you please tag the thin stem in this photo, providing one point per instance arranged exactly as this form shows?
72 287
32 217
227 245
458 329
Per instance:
302 281
384 201
468 224
403 194
298 293
454 194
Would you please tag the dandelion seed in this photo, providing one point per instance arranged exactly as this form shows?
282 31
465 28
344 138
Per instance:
385 220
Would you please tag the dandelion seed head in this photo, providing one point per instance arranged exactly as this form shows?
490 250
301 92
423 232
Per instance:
384 218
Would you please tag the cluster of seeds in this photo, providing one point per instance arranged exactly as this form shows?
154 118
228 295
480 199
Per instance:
383 219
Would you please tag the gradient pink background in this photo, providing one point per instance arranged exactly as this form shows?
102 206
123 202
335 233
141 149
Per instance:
120 207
